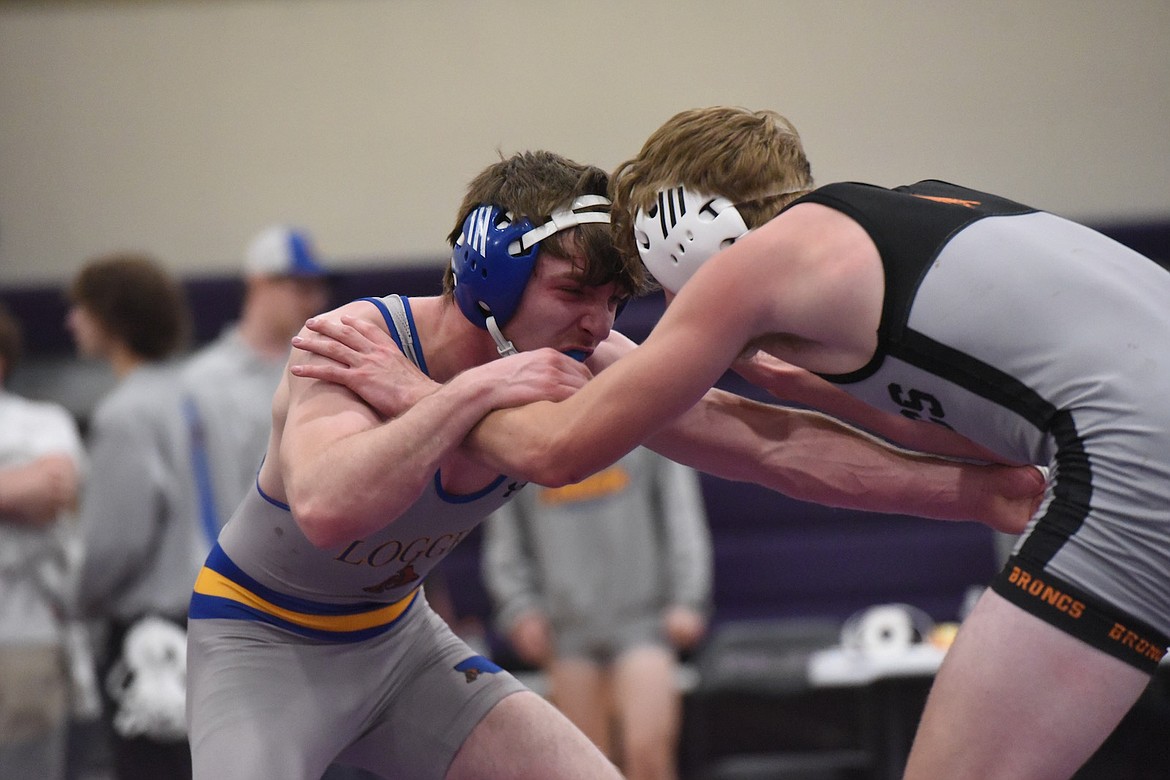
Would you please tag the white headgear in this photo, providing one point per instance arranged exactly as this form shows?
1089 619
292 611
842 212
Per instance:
682 231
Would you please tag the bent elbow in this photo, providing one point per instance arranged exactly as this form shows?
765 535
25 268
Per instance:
552 463
334 518
321 527
553 474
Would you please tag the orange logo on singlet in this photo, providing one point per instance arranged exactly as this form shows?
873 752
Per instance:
949 201
1138 644
1037 588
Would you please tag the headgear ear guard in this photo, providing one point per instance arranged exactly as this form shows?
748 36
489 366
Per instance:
494 257
682 231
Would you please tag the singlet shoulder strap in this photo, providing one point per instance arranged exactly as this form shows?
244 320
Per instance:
394 313
402 325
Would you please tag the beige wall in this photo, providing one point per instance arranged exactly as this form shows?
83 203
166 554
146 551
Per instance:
181 127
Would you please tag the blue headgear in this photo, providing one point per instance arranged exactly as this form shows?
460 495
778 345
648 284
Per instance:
494 257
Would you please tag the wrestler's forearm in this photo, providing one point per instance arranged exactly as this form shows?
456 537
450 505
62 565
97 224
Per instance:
822 461
802 454
522 443
797 386
838 467
815 458
562 443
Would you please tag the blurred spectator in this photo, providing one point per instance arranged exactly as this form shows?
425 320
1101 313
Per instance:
600 584
142 546
40 472
228 384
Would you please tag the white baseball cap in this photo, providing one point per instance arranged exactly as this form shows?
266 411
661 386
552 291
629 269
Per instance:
281 250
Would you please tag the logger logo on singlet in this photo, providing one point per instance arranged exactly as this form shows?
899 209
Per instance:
391 551
473 667
513 487
402 577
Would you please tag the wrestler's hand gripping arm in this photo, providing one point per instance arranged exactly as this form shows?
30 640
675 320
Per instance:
347 470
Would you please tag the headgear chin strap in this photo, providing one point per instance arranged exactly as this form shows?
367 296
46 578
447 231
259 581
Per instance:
683 230
494 257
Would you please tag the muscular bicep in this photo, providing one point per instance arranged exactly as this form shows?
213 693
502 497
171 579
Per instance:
309 417
310 414
320 414
343 470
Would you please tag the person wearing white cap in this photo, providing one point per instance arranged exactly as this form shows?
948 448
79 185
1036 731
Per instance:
228 384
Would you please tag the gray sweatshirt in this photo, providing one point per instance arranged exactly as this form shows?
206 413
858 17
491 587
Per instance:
142 547
625 543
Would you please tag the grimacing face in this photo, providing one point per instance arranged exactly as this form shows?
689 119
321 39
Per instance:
558 310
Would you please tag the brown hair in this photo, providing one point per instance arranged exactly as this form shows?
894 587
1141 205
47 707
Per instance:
534 185
137 301
753 158
11 342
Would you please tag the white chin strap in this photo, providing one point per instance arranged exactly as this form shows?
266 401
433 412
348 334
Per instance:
559 220
503 346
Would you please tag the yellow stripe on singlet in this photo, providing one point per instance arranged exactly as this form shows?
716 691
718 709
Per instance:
212 583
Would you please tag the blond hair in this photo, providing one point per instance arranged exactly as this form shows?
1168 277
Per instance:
753 158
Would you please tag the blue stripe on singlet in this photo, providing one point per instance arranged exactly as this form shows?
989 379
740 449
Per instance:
418 351
223 590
